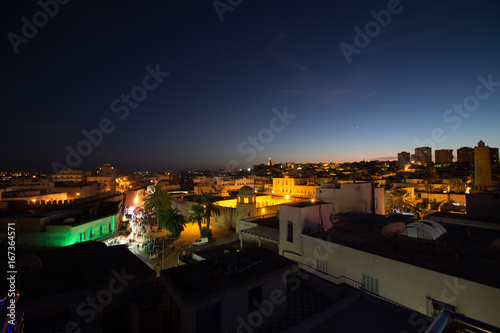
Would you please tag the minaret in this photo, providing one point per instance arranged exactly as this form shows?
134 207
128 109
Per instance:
269 163
246 205
482 166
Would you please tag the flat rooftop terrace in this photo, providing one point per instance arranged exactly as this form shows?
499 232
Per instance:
270 221
216 272
455 253
306 203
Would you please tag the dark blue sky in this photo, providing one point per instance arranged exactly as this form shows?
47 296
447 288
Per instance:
226 77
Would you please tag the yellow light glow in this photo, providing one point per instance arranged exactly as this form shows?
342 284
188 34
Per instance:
312 200
287 197
34 200
263 210
78 193
136 201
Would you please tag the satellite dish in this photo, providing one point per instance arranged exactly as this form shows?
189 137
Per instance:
68 220
393 229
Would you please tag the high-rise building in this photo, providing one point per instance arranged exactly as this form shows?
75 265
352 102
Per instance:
465 155
482 166
403 158
443 156
493 156
423 155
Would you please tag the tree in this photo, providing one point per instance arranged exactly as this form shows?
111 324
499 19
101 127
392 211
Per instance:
157 201
458 186
172 220
196 214
421 210
400 201
210 208
430 176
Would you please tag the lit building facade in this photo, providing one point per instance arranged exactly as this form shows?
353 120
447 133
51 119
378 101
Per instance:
465 155
443 156
294 187
493 156
403 158
423 155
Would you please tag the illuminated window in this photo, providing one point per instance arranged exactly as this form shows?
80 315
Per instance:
245 200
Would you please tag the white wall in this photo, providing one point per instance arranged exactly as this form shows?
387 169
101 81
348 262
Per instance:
401 282
352 197
302 217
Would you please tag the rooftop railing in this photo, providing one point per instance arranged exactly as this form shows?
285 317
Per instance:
449 321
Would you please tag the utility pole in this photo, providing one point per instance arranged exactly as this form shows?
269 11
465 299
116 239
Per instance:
162 253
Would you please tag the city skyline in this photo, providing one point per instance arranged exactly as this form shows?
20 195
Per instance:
214 86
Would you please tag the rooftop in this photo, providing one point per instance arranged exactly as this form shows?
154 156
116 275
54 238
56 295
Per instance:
77 267
307 203
222 273
455 253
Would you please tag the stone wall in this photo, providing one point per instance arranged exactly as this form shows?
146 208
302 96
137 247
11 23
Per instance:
228 217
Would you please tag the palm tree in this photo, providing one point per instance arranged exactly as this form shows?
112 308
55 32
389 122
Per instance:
196 214
210 208
172 220
421 210
157 201
400 201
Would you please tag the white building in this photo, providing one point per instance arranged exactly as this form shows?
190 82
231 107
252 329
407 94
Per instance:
348 197
457 273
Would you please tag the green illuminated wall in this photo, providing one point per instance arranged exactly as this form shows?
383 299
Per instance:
64 235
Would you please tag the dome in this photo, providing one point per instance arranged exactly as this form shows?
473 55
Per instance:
246 190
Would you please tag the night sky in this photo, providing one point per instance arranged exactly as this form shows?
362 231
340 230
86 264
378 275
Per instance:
337 95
